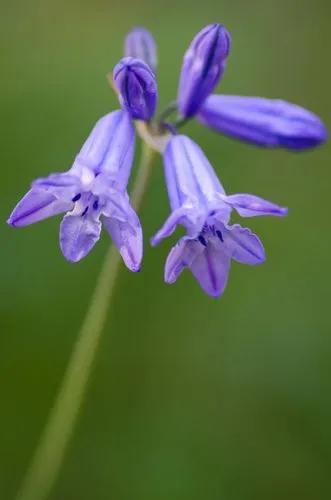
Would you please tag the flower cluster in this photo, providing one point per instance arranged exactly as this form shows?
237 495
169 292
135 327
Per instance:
94 190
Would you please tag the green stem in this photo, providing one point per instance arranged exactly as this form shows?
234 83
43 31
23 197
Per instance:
180 122
169 109
50 452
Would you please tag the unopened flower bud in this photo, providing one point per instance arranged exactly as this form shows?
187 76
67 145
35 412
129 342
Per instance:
140 44
203 67
136 85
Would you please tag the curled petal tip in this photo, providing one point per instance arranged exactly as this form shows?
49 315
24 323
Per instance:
71 260
261 258
168 280
324 133
134 267
127 236
157 238
10 221
215 294
154 241
248 205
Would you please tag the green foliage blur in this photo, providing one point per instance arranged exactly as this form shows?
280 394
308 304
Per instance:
191 398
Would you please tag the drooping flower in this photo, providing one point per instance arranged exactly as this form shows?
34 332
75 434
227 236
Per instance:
199 203
265 122
203 66
91 192
137 88
140 44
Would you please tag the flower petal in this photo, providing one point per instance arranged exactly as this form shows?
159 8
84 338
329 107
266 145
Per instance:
208 263
63 186
78 235
211 268
35 206
265 122
248 205
192 219
181 256
109 148
128 238
190 177
242 245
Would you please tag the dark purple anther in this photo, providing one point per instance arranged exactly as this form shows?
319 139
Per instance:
202 240
220 236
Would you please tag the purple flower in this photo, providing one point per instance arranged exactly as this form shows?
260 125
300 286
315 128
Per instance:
140 44
203 66
199 203
265 122
93 190
137 88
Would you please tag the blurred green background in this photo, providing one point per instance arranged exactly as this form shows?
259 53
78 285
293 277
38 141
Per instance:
190 398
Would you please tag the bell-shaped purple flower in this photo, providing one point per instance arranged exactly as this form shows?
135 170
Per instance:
91 192
265 122
203 66
199 203
140 44
137 88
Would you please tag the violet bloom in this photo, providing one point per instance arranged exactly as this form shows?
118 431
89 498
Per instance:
199 203
91 192
203 66
140 44
265 122
136 86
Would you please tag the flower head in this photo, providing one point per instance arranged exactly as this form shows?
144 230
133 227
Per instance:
140 44
137 88
203 66
198 202
93 190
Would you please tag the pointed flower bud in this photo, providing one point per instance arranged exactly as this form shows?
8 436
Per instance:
136 85
203 67
140 44
270 123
